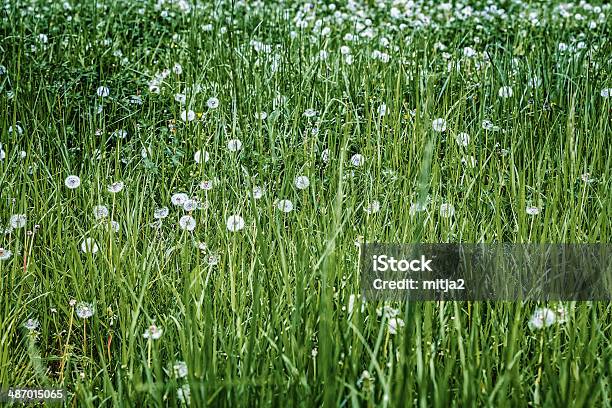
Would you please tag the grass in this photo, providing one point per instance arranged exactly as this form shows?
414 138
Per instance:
273 321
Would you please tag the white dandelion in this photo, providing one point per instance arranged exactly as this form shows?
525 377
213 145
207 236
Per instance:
84 310
89 246
258 192
325 156
447 210
115 187
234 223
373 207
212 103
394 324
190 205
180 369
532 210
103 91
301 182
161 213
31 324
72 182
187 115
100 211
505 92
234 145
18 221
542 318
187 222
285 206
206 185
152 332
439 125
606 92
310 113
179 199
5 254
462 139
357 160
199 155
416 207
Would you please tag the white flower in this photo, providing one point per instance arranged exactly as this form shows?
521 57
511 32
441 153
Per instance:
447 210
190 205
505 92
469 52
184 394
416 207
439 125
462 139
31 324
17 129
206 185
177 69
213 259
357 160
72 182
114 225
382 110
84 310
325 156
212 103
180 369
120 133
234 145
89 246
234 223
5 254
487 125
258 192
351 303
606 92
180 98
394 324
532 210
197 156
285 205
179 199
103 91
160 213
18 221
115 187
153 332
187 115
261 115
301 182
100 211
310 113
373 207
187 222
541 318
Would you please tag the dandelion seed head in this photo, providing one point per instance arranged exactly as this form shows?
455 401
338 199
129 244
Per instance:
72 182
187 222
285 206
89 246
234 223
17 221
439 125
84 310
301 182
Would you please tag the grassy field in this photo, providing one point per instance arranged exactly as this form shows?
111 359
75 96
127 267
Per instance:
184 187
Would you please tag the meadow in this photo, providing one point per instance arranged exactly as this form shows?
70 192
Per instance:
184 187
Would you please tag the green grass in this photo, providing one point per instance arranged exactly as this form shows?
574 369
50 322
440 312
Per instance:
270 323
